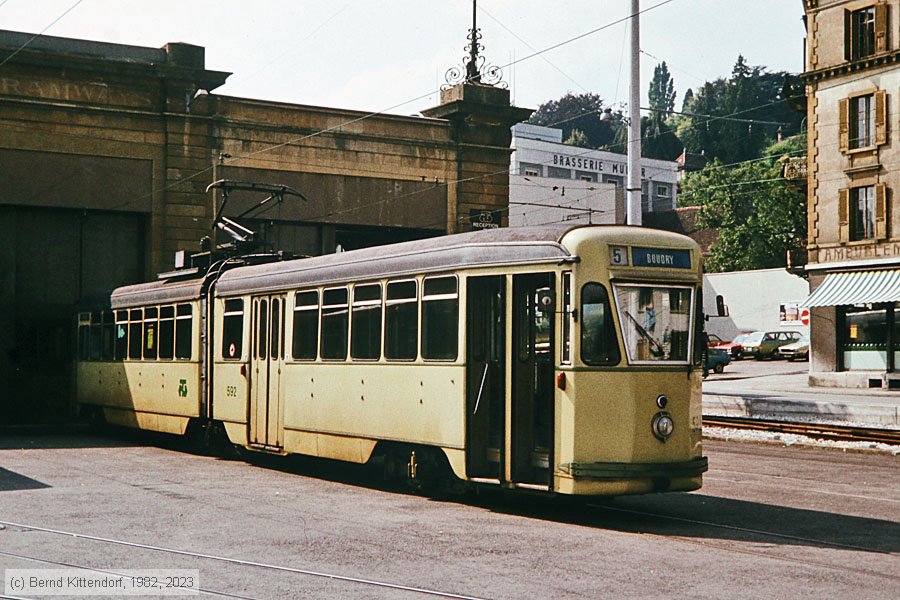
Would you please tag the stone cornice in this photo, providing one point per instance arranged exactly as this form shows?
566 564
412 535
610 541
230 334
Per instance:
870 62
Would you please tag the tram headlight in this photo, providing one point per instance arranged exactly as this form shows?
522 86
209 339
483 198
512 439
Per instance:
663 425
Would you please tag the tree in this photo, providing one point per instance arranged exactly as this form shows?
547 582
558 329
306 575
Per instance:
577 138
735 119
662 92
759 216
580 112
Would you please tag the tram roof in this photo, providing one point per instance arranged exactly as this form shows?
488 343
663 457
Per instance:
504 246
156 292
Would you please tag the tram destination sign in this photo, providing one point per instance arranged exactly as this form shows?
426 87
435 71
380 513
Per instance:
661 257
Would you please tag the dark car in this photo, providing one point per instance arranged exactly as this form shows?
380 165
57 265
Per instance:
717 359
735 348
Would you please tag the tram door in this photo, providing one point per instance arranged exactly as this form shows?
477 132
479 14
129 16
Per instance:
533 362
266 362
486 376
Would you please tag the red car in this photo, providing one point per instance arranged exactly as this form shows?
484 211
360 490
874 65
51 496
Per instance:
735 347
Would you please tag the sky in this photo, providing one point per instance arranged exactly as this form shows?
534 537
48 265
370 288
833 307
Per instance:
392 55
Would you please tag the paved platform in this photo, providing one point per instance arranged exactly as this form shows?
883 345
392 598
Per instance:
788 396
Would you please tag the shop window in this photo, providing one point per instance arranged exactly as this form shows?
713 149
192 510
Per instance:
440 318
365 342
183 328
233 329
864 340
306 326
401 321
599 345
334 324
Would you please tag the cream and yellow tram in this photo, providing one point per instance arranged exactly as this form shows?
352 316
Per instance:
559 359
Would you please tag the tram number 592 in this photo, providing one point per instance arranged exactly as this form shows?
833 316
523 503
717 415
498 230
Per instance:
231 391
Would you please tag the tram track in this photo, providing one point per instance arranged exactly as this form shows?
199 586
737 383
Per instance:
235 561
820 431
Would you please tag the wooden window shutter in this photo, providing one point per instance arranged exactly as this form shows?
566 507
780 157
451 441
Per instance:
844 215
844 129
881 28
848 36
880 211
881 120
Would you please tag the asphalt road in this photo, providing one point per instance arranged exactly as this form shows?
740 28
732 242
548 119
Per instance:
769 522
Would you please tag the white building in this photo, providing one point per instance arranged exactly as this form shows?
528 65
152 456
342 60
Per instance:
760 300
542 167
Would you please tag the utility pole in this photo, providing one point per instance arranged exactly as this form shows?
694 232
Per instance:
633 186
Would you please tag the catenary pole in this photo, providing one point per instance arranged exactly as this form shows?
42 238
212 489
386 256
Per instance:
633 186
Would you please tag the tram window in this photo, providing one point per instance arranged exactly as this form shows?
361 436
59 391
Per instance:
84 335
655 326
365 342
276 348
566 354
262 330
440 318
151 333
107 341
121 334
306 326
598 335
401 321
183 326
96 324
334 324
135 324
167 332
233 329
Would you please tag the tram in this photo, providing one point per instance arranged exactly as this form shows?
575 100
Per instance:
554 359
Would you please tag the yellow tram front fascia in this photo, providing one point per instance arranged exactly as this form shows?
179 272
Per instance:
605 445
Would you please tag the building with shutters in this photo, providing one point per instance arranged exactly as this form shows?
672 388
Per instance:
853 91
106 152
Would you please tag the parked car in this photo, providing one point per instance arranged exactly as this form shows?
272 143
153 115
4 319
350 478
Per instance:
764 344
799 350
712 340
717 359
735 348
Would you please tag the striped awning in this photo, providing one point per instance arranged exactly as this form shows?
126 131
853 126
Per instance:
858 287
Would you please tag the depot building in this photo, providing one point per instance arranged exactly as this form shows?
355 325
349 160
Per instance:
107 152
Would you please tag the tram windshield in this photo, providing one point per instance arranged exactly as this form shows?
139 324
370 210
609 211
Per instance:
656 322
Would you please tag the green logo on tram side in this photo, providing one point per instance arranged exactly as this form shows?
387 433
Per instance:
182 388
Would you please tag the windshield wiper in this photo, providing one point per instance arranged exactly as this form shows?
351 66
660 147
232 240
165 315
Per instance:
656 349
